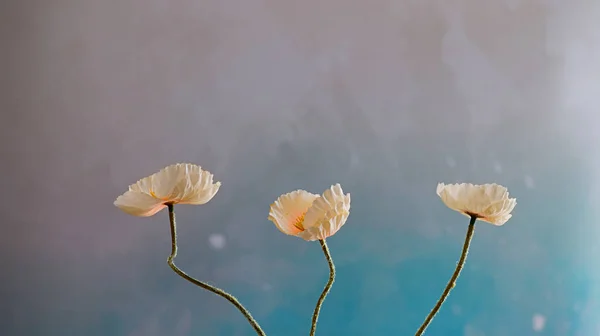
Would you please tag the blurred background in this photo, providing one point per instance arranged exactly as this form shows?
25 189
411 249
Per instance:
386 97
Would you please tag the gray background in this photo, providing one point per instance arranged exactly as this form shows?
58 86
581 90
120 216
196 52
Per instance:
387 97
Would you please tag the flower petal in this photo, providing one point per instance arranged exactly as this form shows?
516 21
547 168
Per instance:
199 187
182 183
489 202
289 209
170 183
327 214
327 228
138 204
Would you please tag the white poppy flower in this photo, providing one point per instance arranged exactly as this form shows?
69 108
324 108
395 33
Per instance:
488 202
309 216
182 183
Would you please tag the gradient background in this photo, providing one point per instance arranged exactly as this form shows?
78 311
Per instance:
387 97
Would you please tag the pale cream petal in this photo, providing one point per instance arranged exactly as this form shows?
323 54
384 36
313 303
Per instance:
321 206
199 187
201 195
288 211
499 212
144 185
138 204
496 220
169 184
327 214
185 183
327 227
482 196
312 234
189 184
450 197
489 202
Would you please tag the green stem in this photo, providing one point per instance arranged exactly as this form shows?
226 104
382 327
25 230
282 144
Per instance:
201 284
315 316
452 282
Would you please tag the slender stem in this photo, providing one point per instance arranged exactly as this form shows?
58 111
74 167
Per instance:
315 316
452 282
201 284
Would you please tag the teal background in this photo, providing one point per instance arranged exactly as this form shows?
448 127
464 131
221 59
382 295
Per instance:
387 98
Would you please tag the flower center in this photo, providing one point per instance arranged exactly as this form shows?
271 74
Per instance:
299 221
151 192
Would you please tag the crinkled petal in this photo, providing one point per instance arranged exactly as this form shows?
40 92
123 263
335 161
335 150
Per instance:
144 185
138 204
288 211
170 183
498 213
327 227
182 183
489 202
323 205
327 214
199 187
496 220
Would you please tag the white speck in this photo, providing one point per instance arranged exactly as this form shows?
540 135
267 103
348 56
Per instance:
217 241
529 182
538 322
497 168
450 162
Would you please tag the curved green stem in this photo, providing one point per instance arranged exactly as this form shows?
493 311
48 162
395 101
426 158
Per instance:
315 316
452 282
201 284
